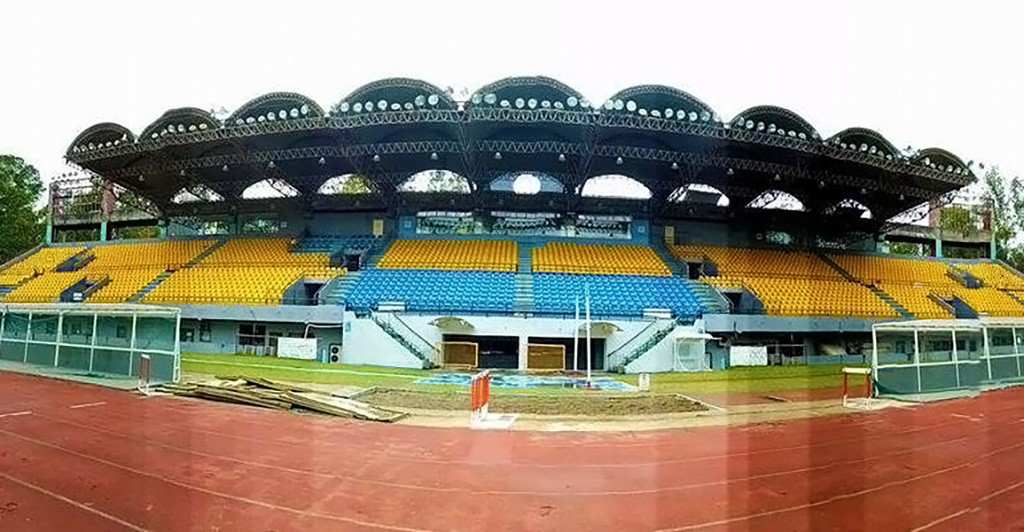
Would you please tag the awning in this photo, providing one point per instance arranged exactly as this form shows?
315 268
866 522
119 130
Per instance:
690 335
452 323
600 328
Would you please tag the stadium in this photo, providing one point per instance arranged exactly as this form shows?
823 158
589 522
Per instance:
284 220
407 234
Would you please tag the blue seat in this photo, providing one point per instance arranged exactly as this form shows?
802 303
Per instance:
614 295
435 290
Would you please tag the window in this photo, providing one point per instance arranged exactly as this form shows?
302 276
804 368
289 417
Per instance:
122 331
252 334
205 334
188 335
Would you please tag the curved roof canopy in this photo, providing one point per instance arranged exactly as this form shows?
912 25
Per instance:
658 101
941 159
181 120
863 139
275 106
103 135
529 92
395 94
771 119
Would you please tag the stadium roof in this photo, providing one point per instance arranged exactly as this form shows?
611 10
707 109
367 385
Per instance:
391 129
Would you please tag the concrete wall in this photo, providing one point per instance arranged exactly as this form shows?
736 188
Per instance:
224 336
366 343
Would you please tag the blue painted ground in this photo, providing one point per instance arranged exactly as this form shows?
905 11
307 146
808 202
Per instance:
501 380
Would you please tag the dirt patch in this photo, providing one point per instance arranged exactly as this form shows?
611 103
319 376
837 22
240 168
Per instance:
596 405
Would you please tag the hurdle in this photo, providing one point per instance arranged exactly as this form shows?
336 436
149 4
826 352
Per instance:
479 397
866 372
143 386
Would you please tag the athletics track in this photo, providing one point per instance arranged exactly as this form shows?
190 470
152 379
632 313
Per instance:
85 458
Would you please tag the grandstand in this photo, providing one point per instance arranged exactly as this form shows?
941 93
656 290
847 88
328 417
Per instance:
373 275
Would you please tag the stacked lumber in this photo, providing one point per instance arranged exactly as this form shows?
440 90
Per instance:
281 396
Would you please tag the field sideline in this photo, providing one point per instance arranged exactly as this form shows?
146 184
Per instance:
733 380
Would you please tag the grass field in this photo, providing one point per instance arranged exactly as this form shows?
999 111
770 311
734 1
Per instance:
733 380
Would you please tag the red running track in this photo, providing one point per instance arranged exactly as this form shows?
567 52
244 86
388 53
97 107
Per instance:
85 458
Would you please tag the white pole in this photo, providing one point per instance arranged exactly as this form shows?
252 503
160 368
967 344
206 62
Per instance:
576 338
588 335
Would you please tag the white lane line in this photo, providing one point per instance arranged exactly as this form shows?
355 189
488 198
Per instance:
87 405
72 502
14 414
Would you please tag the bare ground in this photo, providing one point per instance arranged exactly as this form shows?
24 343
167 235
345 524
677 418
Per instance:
596 405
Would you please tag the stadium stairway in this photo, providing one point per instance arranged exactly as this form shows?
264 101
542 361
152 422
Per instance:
406 337
710 299
906 314
524 280
159 279
334 292
4 290
639 345
1017 296
677 267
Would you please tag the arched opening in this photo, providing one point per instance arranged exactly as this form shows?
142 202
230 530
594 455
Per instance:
270 188
776 199
850 207
615 186
528 183
436 180
699 193
196 194
346 184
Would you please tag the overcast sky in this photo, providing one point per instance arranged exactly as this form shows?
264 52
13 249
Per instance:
928 73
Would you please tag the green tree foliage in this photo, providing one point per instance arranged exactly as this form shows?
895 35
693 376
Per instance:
1006 196
445 181
21 224
905 248
957 219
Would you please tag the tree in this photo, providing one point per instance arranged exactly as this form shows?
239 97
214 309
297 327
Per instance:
1006 198
445 181
21 224
356 184
904 248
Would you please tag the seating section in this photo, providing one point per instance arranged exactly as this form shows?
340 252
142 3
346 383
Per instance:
795 296
43 260
788 283
334 243
914 283
614 295
127 267
434 290
245 271
494 255
994 275
624 259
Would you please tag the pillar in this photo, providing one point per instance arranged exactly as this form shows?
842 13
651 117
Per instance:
103 231
938 247
992 246
49 230
523 349
161 226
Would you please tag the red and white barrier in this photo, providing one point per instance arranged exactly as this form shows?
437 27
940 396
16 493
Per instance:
479 396
144 374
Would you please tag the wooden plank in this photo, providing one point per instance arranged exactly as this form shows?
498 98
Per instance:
339 406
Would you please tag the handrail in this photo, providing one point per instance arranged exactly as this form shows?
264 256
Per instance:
630 341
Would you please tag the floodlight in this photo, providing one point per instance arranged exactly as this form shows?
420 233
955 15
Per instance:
357 107
433 156
505 104
376 158
656 113
705 116
520 103
433 99
777 178
791 133
497 155
396 106
802 135
760 126
730 171
675 165
191 128
261 119
224 168
561 157
781 131
584 103
271 115
181 128
408 106
368 106
532 103
420 100
304 109
669 112
631 106
771 128
642 111
618 160
294 113
873 150
382 105
343 107
558 105
739 121
239 122
619 104
546 104
92 146
476 99
322 161
572 101
155 134
693 116
250 120
609 105
749 124
283 114
491 98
